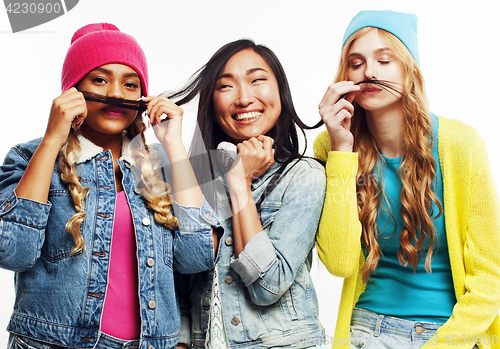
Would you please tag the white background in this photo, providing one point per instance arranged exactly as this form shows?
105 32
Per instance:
459 53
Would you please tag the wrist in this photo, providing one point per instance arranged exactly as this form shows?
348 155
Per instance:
240 197
348 148
51 145
175 150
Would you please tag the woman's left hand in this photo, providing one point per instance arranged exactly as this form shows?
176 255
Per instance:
168 130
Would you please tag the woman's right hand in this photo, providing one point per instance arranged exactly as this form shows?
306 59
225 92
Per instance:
255 156
337 112
67 110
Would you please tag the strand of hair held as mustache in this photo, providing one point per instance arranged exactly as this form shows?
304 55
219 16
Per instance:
386 85
115 102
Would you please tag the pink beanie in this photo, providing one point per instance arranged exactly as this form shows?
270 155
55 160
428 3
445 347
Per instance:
98 44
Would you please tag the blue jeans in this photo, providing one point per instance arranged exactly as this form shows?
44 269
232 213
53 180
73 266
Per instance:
104 342
375 331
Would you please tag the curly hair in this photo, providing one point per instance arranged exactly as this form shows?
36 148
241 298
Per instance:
151 187
417 170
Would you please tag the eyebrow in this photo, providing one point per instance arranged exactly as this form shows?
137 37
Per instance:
109 72
249 71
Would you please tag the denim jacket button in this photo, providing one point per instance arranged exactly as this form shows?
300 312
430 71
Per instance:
137 191
150 262
6 206
127 165
229 241
146 221
228 279
235 321
419 329
152 304
207 216
151 347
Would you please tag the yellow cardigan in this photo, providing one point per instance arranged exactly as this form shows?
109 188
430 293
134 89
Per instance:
472 218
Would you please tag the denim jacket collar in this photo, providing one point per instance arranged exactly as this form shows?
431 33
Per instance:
88 149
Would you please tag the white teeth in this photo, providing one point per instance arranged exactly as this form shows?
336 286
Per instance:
248 116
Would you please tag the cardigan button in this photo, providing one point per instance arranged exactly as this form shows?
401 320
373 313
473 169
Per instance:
235 321
146 221
229 241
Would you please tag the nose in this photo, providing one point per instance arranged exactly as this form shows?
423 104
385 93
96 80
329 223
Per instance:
245 96
115 89
370 71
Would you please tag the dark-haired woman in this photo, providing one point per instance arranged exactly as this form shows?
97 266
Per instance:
260 295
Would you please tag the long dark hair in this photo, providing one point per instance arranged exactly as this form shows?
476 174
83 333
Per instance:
202 84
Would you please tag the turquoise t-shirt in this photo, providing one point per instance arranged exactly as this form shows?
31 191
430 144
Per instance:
399 291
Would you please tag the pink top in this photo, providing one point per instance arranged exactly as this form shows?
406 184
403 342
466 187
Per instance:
121 316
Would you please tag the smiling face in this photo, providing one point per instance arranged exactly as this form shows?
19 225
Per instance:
246 97
370 57
111 80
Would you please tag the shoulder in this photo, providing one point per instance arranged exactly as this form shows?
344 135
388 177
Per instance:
25 150
306 164
306 168
321 146
455 135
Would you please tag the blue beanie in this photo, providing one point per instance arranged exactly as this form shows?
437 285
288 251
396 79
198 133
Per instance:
402 25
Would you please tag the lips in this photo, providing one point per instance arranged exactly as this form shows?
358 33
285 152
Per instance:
115 112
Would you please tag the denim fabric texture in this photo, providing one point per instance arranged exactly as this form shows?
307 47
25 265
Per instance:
104 342
268 298
375 331
59 298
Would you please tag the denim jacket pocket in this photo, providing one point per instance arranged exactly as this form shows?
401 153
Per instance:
58 242
268 212
288 307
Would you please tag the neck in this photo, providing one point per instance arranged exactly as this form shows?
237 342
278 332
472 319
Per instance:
386 127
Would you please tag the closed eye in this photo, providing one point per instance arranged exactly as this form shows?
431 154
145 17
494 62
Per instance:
355 65
259 79
223 87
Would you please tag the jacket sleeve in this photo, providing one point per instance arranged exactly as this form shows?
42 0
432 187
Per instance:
476 244
22 221
271 260
193 239
339 233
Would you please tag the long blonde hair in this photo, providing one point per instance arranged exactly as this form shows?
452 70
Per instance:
417 170
152 187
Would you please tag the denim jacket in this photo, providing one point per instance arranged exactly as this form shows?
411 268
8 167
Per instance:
60 297
268 298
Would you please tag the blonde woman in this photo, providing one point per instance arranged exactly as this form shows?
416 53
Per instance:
86 219
411 215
